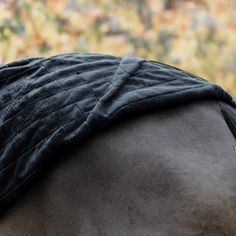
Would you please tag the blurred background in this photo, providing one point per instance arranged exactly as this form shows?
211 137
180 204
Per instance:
198 36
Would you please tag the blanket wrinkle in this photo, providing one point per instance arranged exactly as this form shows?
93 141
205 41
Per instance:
128 65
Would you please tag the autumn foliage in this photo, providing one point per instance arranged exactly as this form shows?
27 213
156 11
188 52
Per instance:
198 36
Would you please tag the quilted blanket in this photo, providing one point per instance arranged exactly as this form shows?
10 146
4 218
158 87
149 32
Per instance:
48 103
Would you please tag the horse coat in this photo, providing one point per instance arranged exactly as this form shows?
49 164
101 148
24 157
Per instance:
47 104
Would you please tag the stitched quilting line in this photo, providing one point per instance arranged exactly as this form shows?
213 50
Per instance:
30 68
37 64
41 64
36 130
53 111
166 71
27 176
8 128
174 69
90 89
163 83
20 89
49 96
73 102
149 82
56 56
51 82
76 105
18 134
173 73
153 96
118 110
16 74
19 62
45 97
85 83
48 83
45 114
36 143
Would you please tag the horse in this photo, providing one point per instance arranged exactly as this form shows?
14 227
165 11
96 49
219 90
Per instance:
166 172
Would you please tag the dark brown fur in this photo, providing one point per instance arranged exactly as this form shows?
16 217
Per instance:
164 173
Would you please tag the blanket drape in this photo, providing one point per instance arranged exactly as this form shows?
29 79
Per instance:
48 103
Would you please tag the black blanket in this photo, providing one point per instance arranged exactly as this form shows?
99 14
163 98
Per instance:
48 103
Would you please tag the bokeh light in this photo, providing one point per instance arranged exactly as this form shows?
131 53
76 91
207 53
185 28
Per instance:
198 36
